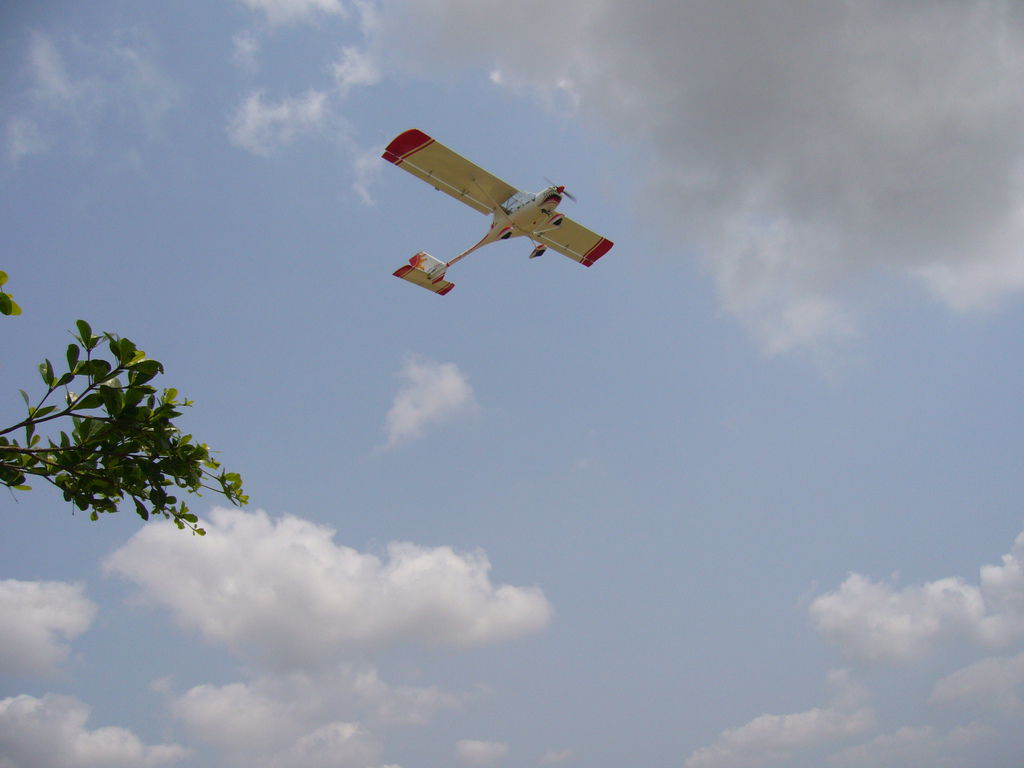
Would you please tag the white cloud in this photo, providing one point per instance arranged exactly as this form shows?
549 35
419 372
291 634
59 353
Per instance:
273 718
1003 588
139 88
354 68
290 11
37 618
366 168
24 138
802 153
335 745
49 74
245 50
277 706
472 752
257 585
51 732
253 728
874 621
771 738
916 748
433 393
73 86
261 127
991 683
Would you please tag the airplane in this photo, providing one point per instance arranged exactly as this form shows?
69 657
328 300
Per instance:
514 213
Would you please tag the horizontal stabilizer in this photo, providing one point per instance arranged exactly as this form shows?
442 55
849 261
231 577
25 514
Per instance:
419 277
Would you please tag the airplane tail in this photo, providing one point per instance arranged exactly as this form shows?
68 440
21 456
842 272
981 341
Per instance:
427 272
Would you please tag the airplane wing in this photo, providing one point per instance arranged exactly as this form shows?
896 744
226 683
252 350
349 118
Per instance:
575 241
448 171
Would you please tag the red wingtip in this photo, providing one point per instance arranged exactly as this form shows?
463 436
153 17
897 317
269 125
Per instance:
595 253
406 144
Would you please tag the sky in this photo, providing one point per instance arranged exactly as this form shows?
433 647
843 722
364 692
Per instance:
747 492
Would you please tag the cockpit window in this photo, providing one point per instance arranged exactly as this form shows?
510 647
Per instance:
517 201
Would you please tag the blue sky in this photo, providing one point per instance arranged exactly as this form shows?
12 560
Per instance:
745 493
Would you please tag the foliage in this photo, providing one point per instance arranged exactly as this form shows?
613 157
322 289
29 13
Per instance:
122 443
8 306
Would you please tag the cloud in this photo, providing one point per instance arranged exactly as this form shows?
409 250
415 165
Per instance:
140 89
278 706
433 393
261 127
273 719
366 169
801 153
51 732
49 75
471 752
991 683
875 622
257 585
37 619
772 738
335 745
246 47
292 11
24 138
273 722
72 86
354 68
923 747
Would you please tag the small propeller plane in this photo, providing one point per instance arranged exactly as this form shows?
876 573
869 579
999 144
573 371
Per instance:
514 213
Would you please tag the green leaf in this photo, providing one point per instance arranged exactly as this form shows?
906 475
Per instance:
111 399
3 277
147 368
22 487
92 400
6 305
72 355
140 508
24 396
84 332
84 428
15 309
98 369
46 371
126 351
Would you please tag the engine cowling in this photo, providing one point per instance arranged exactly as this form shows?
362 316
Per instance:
556 220
550 202
505 234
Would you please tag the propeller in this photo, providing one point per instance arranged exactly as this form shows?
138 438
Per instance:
561 189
